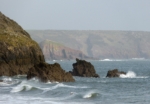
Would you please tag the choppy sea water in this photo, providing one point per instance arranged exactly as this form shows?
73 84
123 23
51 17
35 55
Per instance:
133 88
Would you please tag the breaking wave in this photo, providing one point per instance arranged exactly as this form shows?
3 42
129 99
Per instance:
91 94
29 85
7 81
131 74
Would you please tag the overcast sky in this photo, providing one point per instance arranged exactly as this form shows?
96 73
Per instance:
79 14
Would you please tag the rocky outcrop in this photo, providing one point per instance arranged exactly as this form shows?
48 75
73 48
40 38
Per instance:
55 51
19 54
83 68
49 72
114 73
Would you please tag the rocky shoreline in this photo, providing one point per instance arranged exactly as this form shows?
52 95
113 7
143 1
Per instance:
20 55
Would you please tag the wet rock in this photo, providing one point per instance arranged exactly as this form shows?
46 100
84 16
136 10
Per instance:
83 68
49 72
114 73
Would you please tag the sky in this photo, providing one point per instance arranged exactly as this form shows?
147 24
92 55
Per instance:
132 15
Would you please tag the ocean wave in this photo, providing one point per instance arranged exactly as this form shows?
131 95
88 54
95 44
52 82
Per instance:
91 94
21 87
68 86
7 81
29 85
60 85
131 74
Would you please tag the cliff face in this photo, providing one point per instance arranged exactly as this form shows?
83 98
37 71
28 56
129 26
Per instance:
18 52
101 44
56 51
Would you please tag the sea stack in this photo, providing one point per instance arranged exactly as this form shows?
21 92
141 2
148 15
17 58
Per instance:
83 68
19 54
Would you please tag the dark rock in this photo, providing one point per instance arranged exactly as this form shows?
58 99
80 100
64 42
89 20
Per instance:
19 54
114 73
83 68
49 72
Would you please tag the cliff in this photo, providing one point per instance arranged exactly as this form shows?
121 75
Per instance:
19 54
100 44
56 51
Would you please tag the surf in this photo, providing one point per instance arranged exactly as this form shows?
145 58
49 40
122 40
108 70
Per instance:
91 94
8 81
131 74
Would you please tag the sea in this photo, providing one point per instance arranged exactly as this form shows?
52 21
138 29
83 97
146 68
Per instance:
132 88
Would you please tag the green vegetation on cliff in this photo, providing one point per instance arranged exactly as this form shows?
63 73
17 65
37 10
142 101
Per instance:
17 40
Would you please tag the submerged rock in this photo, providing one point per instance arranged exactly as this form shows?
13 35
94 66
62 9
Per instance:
83 68
20 54
49 72
114 73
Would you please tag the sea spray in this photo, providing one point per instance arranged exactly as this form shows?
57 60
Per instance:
130 74
8 81
22 86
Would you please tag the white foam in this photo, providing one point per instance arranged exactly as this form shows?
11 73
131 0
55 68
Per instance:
131 74
22 86
68 86
91 94
7 81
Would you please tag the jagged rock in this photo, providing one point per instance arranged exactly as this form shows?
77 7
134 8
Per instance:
114 73
49 72
83 68
19 54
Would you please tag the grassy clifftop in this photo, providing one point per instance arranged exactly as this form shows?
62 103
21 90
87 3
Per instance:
17 40
13 34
